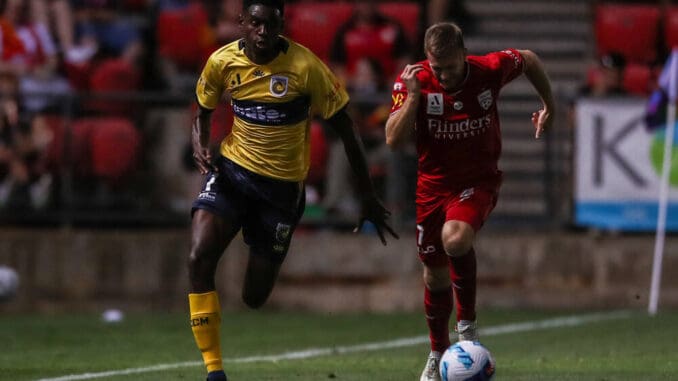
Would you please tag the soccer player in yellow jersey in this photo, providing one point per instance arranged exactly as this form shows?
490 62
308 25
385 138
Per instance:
257 182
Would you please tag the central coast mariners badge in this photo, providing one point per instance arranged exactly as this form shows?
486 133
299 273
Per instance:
278 85
485 99
282 232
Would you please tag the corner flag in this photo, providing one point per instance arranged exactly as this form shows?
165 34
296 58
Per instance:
668 88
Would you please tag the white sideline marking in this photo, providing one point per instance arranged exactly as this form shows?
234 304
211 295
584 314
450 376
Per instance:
570 321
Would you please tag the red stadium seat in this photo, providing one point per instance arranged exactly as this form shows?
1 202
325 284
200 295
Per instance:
407 14
315 24
111 76
319 152
671 27
115 147
70 146
632 30
184 36
638 79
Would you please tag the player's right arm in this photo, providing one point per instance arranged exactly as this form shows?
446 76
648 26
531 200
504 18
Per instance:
208 92
400 123
200 139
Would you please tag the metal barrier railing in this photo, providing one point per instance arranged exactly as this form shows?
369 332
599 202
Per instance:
123 159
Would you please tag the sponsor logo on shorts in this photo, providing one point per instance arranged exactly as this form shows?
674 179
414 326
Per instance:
209 196
282 232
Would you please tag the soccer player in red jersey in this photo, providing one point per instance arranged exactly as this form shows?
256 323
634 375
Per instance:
449 102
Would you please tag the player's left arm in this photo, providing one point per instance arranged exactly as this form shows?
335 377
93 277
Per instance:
371 207
536 74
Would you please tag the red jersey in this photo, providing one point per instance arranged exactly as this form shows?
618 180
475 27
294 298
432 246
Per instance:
458 136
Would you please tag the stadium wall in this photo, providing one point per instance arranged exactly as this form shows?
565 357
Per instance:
91 270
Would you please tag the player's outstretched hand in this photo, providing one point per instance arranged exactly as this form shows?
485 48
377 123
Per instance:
201 155
542 121
372 210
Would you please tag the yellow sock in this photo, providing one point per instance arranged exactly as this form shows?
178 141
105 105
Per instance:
205 322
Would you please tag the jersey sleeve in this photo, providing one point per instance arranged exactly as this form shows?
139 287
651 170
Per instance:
398 95
327 94
211 83
511 64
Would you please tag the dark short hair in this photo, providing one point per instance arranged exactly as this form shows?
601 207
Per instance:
443 38
277 4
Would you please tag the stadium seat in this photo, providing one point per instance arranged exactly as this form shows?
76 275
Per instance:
69 147
319 152
315 24
671 27
111 76
115 147
630 29
638 79
407 14
184 36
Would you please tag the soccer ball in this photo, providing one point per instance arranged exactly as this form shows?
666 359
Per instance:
467 361
9 283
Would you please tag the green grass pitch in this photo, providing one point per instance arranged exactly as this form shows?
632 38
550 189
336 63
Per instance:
330 347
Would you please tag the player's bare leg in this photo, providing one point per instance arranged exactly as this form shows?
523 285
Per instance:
457 239
260 278
210 236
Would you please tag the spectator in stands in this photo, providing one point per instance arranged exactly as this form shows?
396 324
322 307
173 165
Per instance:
62 21
369 34
226 23
185 39
39 59
607 78
365 53
99 22
24 179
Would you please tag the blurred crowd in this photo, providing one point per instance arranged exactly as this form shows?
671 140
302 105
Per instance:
72 72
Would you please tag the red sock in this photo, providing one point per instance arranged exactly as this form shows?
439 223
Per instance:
438 306
463 274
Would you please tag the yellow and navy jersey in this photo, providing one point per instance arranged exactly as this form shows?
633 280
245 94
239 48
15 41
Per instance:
272 106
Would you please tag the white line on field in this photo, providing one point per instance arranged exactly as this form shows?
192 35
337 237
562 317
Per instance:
568 321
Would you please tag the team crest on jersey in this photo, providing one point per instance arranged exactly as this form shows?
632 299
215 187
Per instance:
485 99
434 105
282 232
278 85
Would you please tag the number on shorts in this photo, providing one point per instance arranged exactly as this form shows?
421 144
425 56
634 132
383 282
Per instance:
208 186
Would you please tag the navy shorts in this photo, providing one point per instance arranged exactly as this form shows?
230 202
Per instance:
267 210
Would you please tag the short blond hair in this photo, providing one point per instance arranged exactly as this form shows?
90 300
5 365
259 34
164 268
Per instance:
443 39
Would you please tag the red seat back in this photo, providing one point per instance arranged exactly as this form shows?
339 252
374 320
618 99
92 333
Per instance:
315 24
319 153
671 27
184 36
631 30
638 79
113 76
115 146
